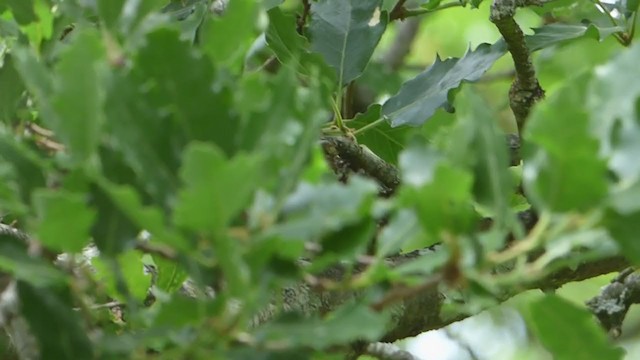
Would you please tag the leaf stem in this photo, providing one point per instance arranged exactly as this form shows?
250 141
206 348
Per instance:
418 12
368 126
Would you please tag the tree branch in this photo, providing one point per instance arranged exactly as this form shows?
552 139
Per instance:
612 304
525 90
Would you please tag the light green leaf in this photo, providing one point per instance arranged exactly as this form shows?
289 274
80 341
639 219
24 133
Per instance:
64 220
624 227
420 97
569 332
226 38
22 11
216 188
132 270
345 33
564 172
282 37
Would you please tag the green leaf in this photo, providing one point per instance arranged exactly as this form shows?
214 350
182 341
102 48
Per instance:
112 231
183 85
624 228
22 11
110 11
484 148
563 172
345 33
150 218
348 323
402 232
314 210
607 101
29 168
79 95
215 190
282 37
132 270
226 38
170 275
14 259
558 33
420 97
439 192
63 221
383 140
11 88
53 322
569 332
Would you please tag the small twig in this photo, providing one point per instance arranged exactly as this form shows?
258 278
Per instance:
398 11
387 351
302 19
155 249
403 293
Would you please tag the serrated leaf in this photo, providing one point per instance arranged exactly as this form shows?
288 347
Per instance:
64 220
216 188
53 322
345 33
553 34
420 97
569 332
564 172
383 140
79 75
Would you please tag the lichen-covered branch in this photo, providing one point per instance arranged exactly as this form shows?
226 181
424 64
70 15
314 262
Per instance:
612 304
525 90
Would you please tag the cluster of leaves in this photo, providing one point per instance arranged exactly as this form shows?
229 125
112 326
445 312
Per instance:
185 137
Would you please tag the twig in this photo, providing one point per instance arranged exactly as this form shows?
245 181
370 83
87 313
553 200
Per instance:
398 11
155 249
525 90
386 351
302 19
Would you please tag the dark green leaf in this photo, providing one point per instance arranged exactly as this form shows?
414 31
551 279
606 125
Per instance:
113 231
64 220
29 167
11 88
553 34
110 11
53 322
22 11
569 332
282 37
346 32
14 259
420 97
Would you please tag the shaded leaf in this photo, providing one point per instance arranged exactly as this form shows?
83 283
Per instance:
132 270
420 97
569 332
624 228
11 88
346 32
226 38
53 322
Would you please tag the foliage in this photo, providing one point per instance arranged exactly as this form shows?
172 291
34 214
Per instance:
185 141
